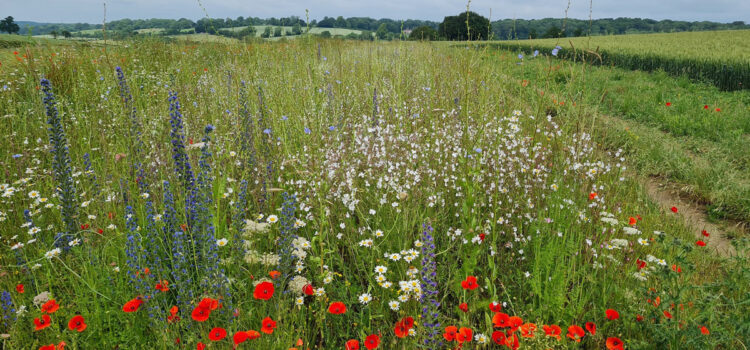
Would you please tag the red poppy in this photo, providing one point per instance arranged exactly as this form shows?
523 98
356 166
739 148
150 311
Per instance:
209 303
498 337
512 341
464 335
632 221
200 314
450 333
704 330
132 305
48 347
308 289
200 346
408 322
173 314
482 236
500 320
469 283
552 331
274 274
676 268
705 106
217 334
640 263
639 318
612 314
163 286
705 233
527 330
19 288
700 243
400 329
50 307
239 337
667 314
496 307
372 341
77 323
673 209
614 343
268 325
592 195
669 104
100 231
718 109
263 291
463 307
591 327
42 323
514 322
337 308
576 333
352 344
252 335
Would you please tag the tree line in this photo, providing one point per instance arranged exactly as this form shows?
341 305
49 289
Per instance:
451 28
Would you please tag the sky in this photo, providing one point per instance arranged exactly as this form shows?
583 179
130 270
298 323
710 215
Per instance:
92 11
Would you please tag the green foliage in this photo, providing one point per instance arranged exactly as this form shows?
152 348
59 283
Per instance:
455 27
8 25
423 33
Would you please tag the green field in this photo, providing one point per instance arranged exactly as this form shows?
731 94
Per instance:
312 193
720 57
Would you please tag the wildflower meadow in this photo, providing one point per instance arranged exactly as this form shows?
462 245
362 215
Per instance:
331 194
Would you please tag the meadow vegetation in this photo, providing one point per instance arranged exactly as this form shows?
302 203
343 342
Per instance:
327 193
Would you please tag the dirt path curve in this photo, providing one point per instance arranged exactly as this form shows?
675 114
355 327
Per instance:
693 215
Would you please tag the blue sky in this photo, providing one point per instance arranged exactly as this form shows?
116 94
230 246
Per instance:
91 11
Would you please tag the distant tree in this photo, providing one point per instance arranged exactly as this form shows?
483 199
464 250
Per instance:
423 33
578 32
340 22
553 32
266 32
325 34
54 34
382 32
327 22
296 29
532 34
454 27
66 34
9 26
277 31
248 31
